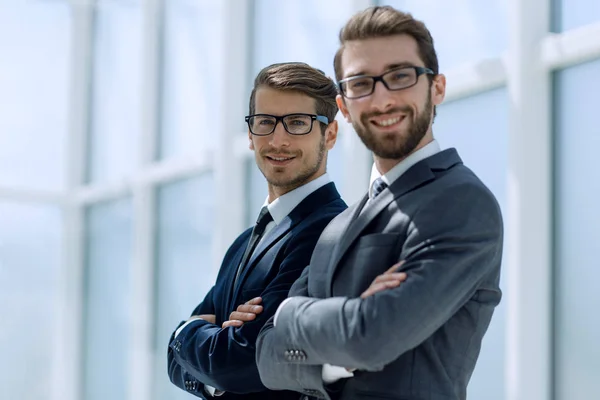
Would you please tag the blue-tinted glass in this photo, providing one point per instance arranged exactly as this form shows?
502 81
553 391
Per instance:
116 91
478 128
571 14
577 220
34 87
463 30
185 271
193 68
304 31
107 312
30 257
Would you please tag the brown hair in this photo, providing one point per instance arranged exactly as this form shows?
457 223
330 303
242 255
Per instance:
376 22
299 77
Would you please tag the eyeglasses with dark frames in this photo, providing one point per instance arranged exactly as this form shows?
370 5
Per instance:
294 124
399 78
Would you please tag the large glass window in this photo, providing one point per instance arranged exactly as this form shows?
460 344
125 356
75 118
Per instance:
185 270
107 309
34 88
463 30
570 14
193 68
478 128
116 90
577 218
30 257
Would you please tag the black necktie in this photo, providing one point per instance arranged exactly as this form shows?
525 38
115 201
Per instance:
378 186
261 223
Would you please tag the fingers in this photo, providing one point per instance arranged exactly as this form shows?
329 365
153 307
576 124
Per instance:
394 276
246 308
379 287
234 323
383 282
394 267
255 301
242 316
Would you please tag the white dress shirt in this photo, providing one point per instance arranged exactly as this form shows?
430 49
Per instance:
333 373
279 208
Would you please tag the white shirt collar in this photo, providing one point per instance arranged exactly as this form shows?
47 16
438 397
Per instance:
392 175
283 205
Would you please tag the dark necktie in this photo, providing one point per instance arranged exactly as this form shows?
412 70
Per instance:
261 223
378 186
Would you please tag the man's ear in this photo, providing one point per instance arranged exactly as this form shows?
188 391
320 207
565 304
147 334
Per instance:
341 103
250 142
331 133
438 89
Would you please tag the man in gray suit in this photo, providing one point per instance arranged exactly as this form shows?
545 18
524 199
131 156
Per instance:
349 329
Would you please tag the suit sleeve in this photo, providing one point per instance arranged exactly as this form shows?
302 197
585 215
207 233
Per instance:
454 242
225 358
178 375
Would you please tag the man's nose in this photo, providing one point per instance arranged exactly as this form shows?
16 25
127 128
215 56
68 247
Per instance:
279 137
381 98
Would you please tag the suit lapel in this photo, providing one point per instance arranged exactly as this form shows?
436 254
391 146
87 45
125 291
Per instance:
310 204
416 176
272 237
331 238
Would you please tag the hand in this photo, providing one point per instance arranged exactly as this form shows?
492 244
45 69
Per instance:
210 318
244 313
388 280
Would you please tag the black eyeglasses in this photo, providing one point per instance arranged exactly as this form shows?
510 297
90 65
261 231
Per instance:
395 79
294 124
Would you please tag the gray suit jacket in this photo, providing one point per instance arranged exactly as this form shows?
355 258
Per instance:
420 340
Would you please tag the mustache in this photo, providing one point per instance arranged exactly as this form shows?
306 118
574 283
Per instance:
405 110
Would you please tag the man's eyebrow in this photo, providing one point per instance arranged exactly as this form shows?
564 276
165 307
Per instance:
388 67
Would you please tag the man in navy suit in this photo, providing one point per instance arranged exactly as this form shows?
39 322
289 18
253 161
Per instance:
291 127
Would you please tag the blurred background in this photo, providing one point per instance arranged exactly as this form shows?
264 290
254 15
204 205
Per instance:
125 174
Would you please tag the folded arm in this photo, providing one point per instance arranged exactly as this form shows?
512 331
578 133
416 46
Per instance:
225 357
453 243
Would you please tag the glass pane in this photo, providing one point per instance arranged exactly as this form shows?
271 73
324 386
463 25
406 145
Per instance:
116 90
34 88
463 30
577 221
185 270
191 96
30 257
308 33
478 127
575 13
107 314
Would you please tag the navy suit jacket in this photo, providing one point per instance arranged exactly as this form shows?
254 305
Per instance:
204 353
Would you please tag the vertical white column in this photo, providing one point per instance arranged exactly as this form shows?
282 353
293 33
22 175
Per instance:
67 361
228 167
144 219
529 222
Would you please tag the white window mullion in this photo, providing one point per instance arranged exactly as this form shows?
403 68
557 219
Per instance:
67 379
142 291
528 224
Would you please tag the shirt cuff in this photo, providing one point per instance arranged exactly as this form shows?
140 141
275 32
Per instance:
192 319
279 309
212 391
332 373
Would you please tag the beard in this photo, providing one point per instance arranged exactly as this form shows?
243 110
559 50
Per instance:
395 145
299 177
